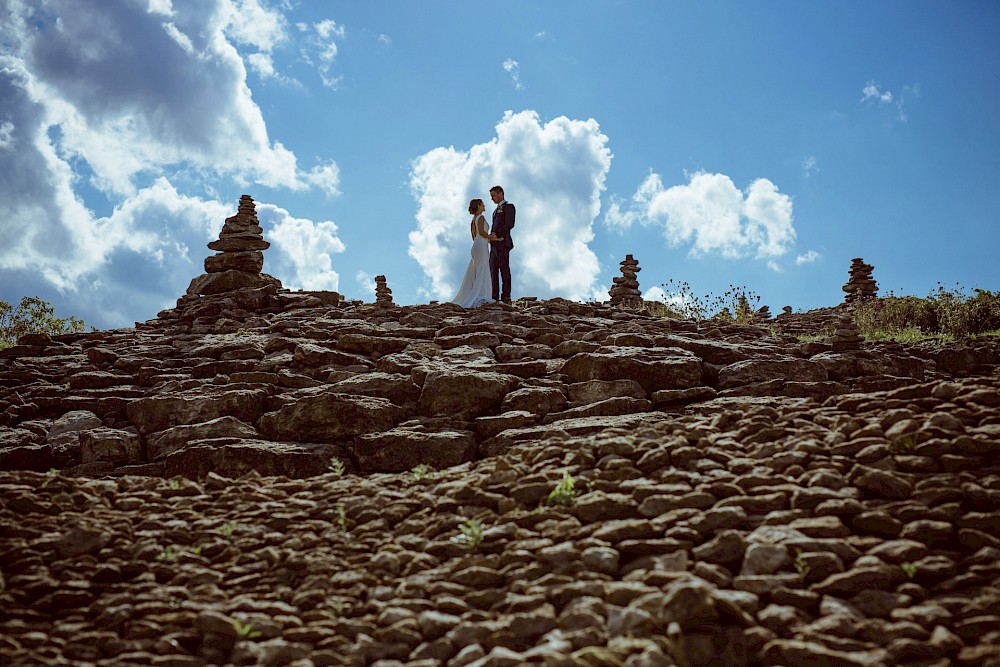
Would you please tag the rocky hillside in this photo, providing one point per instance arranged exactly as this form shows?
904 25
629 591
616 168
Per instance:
267 477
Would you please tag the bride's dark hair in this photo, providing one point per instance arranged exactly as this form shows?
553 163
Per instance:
474 205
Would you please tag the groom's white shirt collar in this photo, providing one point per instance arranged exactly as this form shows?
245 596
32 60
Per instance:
502 202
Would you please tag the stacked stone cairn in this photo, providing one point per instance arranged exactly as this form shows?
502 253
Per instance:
239 258
763 314
625 291
861 286
383 295
846 337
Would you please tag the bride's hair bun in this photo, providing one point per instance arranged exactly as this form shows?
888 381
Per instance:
474 205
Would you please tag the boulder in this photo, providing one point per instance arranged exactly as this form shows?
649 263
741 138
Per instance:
235 459
194 406
773 368
165 443
652 368
326 415
401 449
464 394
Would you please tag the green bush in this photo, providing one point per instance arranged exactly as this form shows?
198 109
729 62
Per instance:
33 315
947 312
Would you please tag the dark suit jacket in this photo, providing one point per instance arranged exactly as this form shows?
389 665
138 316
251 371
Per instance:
503 222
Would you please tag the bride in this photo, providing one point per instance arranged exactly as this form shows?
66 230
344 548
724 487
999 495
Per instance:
477 286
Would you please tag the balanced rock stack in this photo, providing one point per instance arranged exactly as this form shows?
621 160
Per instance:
625 291
240 257
860 286
846 336
383 295
762 315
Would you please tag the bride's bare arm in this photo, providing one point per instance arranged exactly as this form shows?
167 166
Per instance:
481 227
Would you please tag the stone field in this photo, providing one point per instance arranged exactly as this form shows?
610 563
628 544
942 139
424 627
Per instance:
265 477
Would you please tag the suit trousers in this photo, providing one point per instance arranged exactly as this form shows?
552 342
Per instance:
500 268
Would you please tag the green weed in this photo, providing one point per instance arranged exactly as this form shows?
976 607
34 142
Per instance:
904 445
800 565
471 533
168 555
227 528
337 466
565 492
909 569
245 630
422 471
338 607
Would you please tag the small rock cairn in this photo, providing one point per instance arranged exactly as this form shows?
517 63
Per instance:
383 295
860 286
846 337
625 291
240 257
763 314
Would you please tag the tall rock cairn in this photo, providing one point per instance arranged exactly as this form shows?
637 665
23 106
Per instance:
240 257
383 295
625 291
860 286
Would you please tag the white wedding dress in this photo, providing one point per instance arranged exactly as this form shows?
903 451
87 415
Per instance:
477 287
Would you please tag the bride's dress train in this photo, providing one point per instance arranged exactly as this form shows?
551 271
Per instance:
477 287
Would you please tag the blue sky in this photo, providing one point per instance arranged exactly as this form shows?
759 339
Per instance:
755 144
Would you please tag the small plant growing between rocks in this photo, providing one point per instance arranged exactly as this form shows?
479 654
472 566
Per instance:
565 492
471 533
909 569
49 476
168 555
800 565
422 471
174 484
338 607
245 631
342 517
196 550
905 445
337 466
227 528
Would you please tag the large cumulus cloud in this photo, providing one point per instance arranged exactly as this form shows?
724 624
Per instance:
115 104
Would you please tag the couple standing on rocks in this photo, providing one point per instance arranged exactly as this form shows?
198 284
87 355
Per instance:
491 246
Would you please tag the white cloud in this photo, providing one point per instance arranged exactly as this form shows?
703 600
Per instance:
712 215
326 177
385 39
253 23
321 49
681 302
6 135
366 284
553 173
872 92
108 95
131 95
513 68
300 254
807 257
809 166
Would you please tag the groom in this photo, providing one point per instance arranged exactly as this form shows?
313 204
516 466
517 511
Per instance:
501 244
